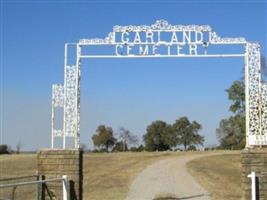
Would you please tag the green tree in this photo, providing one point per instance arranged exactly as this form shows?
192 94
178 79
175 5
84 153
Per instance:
156 136
232 131
236 93
104 137
120 146
186 132
3 149
137 149
192 148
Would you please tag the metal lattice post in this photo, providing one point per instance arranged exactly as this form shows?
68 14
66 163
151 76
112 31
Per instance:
72 98
57 102
78 78
264 109
65 92
253 95
247 94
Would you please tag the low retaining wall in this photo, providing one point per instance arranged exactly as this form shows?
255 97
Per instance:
54 163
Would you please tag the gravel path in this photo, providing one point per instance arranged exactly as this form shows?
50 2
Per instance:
168 178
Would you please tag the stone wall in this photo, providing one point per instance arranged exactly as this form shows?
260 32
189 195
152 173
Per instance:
54 163
254 160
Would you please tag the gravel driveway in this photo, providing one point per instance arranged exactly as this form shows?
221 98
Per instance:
168 178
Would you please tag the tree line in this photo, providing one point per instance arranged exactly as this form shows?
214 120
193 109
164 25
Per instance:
6 149
159 136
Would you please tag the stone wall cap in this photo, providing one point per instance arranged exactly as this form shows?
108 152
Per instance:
255 150
46 150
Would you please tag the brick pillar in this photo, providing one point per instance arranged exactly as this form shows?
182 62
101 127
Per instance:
254 160
54 163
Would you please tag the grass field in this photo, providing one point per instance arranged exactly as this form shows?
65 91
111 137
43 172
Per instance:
220 175
108 176
18 165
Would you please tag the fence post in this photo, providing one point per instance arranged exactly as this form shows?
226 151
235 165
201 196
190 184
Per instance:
37 187
65 188
253 185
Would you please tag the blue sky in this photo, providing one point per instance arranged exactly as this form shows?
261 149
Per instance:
121 92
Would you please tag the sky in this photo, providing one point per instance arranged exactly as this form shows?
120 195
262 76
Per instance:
123 92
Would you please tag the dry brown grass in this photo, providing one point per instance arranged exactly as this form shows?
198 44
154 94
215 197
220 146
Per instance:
108 176
220 175
14 166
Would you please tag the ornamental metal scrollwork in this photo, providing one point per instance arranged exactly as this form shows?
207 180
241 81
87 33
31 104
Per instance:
57 133
254 76
70 104
264 109
108 40
162 25
57 95
57 102
215 39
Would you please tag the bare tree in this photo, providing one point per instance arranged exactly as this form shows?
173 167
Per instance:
127 137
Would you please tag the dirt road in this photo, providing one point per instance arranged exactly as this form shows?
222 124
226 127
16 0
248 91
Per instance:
168 178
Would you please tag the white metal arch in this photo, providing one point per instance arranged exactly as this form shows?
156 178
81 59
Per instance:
67 95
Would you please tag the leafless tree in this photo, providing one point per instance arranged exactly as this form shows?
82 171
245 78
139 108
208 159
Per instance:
127 137
18 147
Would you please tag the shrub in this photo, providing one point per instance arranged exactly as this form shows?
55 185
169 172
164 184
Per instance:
3 149
192 148
120 147
137 149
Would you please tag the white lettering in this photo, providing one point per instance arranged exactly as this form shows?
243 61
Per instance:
129 48
174 37
155 50
198 37
149 35
192 49
123 39
169 49
187 37
153 43
159 39
137 38
143 50
118 46
179 48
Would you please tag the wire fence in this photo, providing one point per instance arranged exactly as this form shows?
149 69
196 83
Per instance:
33 187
